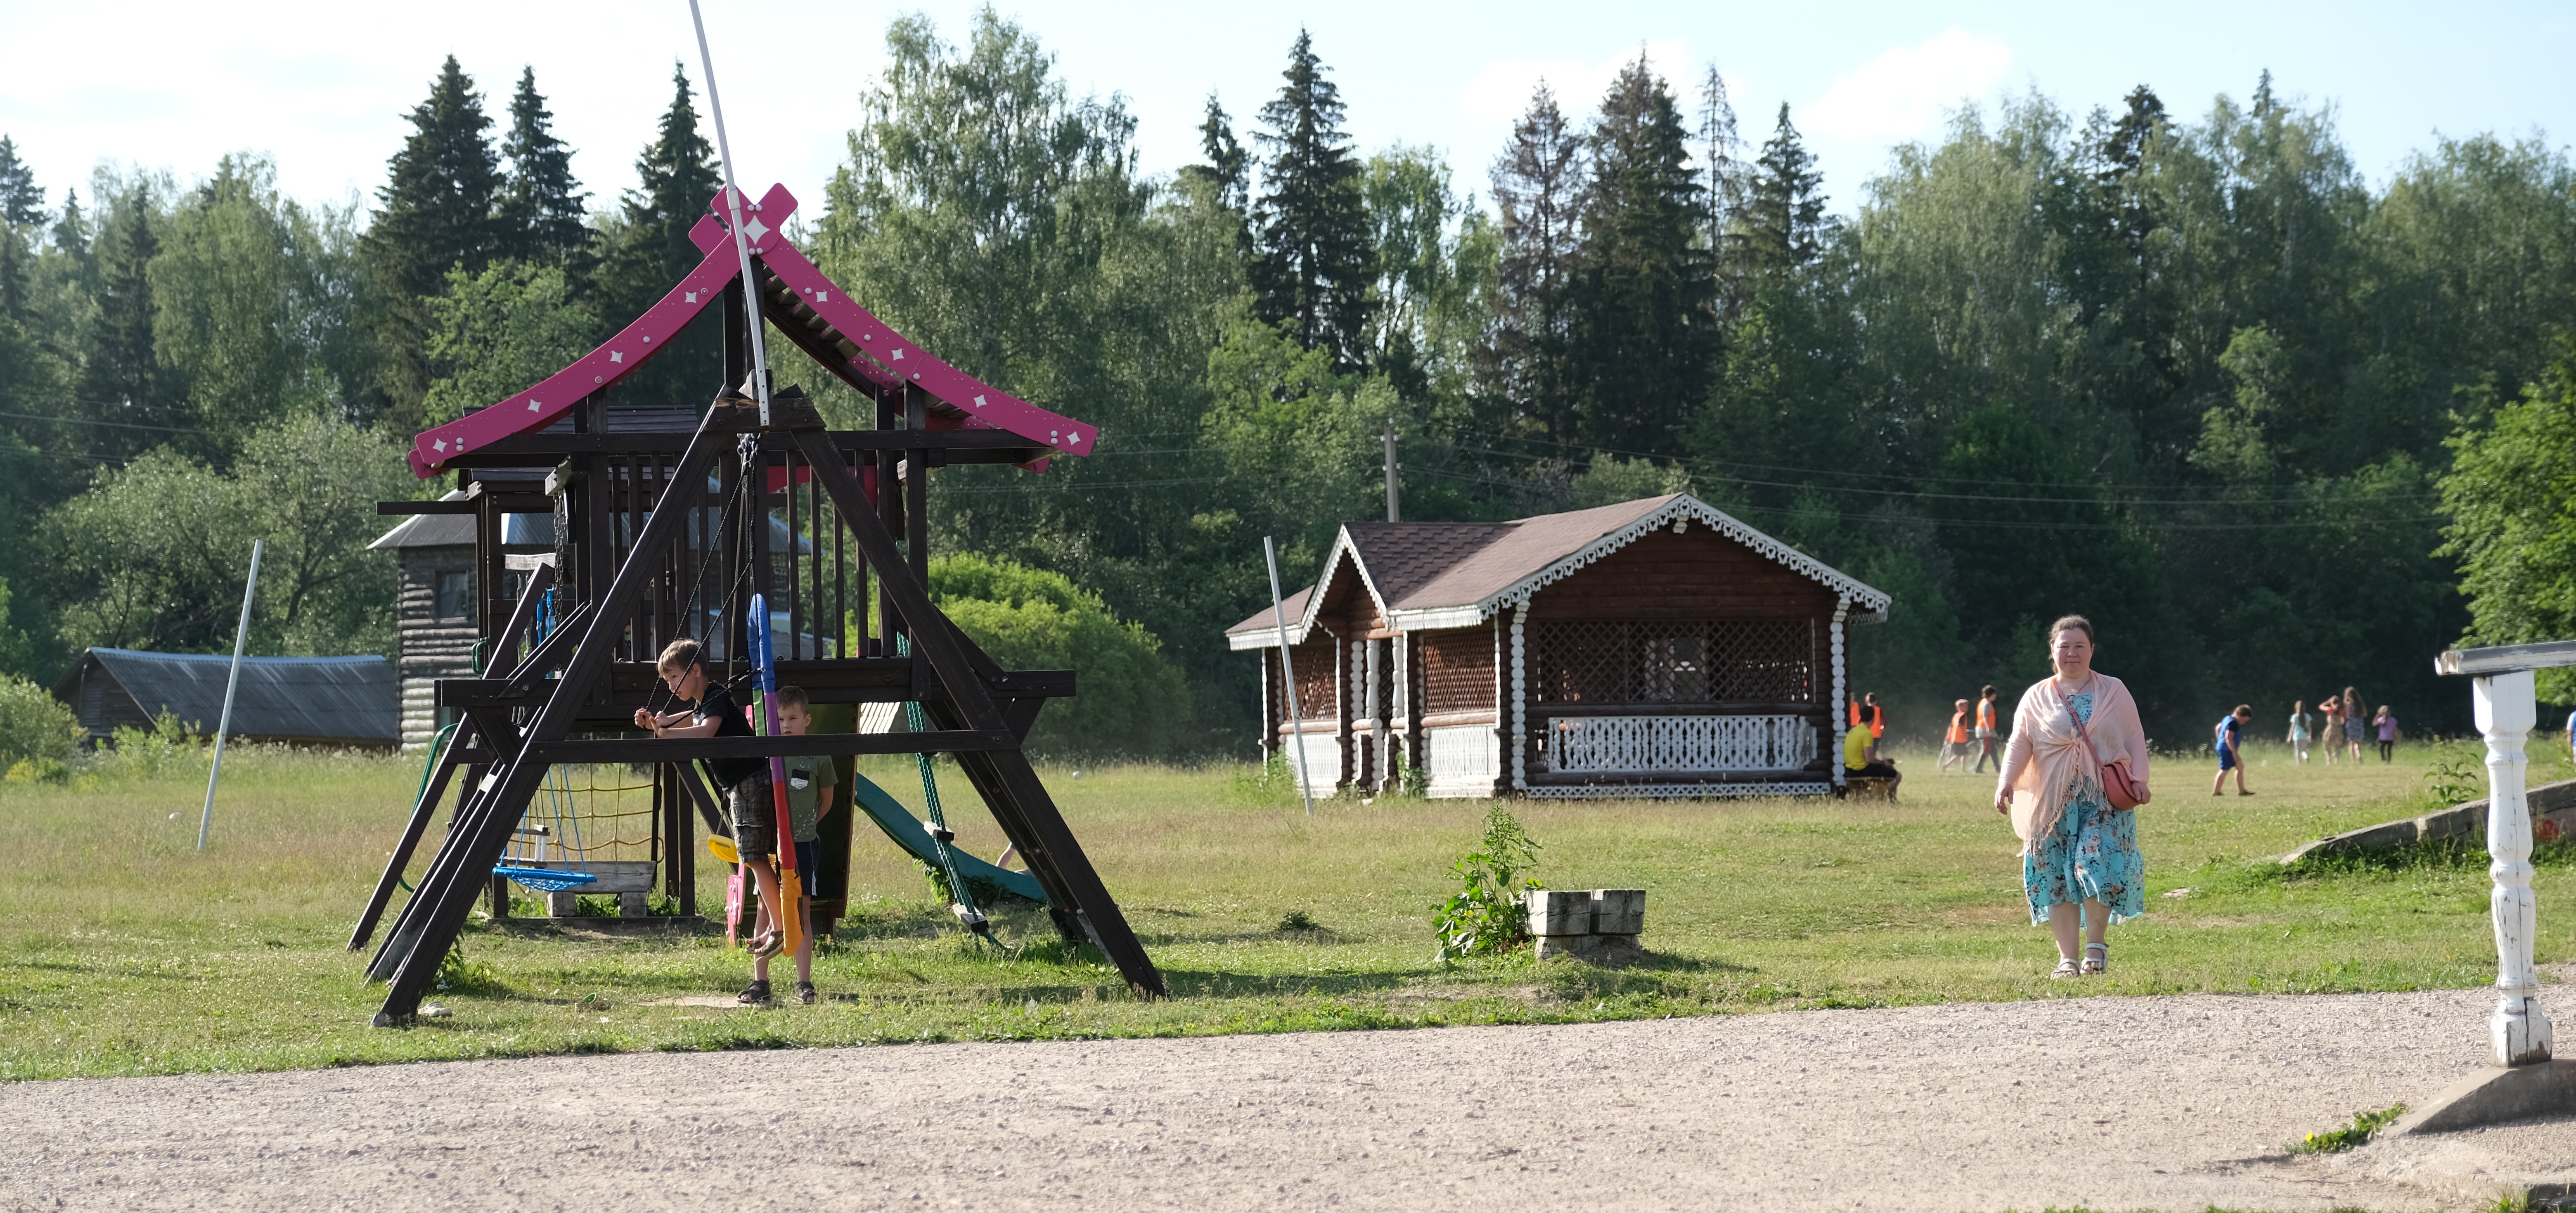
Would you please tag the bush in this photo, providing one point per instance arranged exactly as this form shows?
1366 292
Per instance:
1487 914
1133 700
34 726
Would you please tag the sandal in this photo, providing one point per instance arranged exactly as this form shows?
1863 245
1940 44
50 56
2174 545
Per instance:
754 994
2097 958
2066 968
768 944
805 995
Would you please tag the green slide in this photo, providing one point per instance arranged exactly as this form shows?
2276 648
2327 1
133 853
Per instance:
986 880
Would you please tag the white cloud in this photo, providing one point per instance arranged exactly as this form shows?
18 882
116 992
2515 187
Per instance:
1501 92
1902 94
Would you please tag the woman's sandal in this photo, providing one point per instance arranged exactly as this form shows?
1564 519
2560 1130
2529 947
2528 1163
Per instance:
2066 968
805 995
754 994
2097 958
768 944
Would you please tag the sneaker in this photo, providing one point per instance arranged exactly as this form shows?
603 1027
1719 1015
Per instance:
805 995
753 995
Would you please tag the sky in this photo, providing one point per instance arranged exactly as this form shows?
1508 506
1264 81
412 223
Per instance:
325 88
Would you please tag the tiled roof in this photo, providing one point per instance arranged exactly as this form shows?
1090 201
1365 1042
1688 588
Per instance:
1453 574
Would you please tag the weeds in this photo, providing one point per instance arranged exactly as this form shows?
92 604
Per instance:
1485 915
1298 920
2454 776
2335 1141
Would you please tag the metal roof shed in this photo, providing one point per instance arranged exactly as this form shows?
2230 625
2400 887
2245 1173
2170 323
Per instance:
338 701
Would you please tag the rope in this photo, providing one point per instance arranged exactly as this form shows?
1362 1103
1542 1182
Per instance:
919 721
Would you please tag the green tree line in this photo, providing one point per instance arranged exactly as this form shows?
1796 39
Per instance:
2194 376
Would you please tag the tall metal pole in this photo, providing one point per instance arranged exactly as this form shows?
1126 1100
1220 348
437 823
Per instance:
1393 514
1288 675
733 205
224 724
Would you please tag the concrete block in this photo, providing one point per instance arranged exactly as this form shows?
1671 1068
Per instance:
1560 912
561 904
2495 1096
633 905
1596 949
1618 911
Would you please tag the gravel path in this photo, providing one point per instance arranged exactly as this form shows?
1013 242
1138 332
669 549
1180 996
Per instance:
2116 1103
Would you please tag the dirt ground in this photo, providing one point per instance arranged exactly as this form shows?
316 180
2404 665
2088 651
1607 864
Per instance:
2114 1103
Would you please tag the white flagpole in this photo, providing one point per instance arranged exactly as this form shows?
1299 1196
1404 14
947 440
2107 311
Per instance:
224 724
733 205
1288 672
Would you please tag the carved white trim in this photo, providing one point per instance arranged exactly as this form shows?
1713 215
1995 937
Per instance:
1842 708
1323 761
1645 745
1520 697
1677 791
1463 760
1682 508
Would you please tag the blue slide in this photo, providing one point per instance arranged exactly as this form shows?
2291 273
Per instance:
985 880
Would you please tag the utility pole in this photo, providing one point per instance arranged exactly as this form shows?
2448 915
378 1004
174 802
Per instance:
1393 513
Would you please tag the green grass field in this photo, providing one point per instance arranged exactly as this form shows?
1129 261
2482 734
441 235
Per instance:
123 951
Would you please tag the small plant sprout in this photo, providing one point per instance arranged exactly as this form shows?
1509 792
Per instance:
1298 920
2335 1141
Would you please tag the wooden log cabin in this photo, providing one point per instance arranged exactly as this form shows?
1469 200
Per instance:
1657 647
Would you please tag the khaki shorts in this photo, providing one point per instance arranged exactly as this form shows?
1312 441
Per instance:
755 818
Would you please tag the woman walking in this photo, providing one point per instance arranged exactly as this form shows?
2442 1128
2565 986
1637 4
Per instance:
2075 739
2299 723
2354 723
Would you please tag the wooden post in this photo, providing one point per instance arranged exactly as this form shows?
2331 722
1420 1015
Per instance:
2505 713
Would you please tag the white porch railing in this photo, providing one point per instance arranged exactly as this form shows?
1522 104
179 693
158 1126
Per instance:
1624 745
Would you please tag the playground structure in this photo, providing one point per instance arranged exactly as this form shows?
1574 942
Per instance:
1657 647
664 528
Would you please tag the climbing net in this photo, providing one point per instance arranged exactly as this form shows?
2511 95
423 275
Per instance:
586 814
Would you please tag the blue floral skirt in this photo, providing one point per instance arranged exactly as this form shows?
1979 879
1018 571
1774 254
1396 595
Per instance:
2091 855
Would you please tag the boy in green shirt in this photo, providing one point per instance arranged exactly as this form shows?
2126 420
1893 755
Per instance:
809 794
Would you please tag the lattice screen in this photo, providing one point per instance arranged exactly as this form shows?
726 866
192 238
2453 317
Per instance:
1457 670
1318 677
1760 660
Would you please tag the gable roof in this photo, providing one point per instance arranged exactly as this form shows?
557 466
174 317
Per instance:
323 698
1424 575
809 309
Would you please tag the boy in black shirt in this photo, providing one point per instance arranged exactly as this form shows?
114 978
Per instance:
745 781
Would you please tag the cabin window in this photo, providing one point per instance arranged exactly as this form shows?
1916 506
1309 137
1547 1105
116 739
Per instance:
456 596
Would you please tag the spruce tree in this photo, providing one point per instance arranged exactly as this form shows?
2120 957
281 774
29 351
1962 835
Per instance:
1537 186
1784 209
71 232
677 177
541 212
1724 171
1312 264
1643 291
435 213
1227 174
122 367
437 203
20 201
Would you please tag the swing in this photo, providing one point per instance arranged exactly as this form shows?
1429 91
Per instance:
527 867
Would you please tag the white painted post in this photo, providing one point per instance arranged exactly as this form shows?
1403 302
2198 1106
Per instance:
1288 671
1520 698
2505 714
224 723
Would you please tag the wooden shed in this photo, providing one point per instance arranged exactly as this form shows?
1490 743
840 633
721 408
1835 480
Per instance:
1658 647
326 701
438 603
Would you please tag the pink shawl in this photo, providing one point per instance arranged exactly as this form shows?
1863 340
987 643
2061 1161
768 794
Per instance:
2046 757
